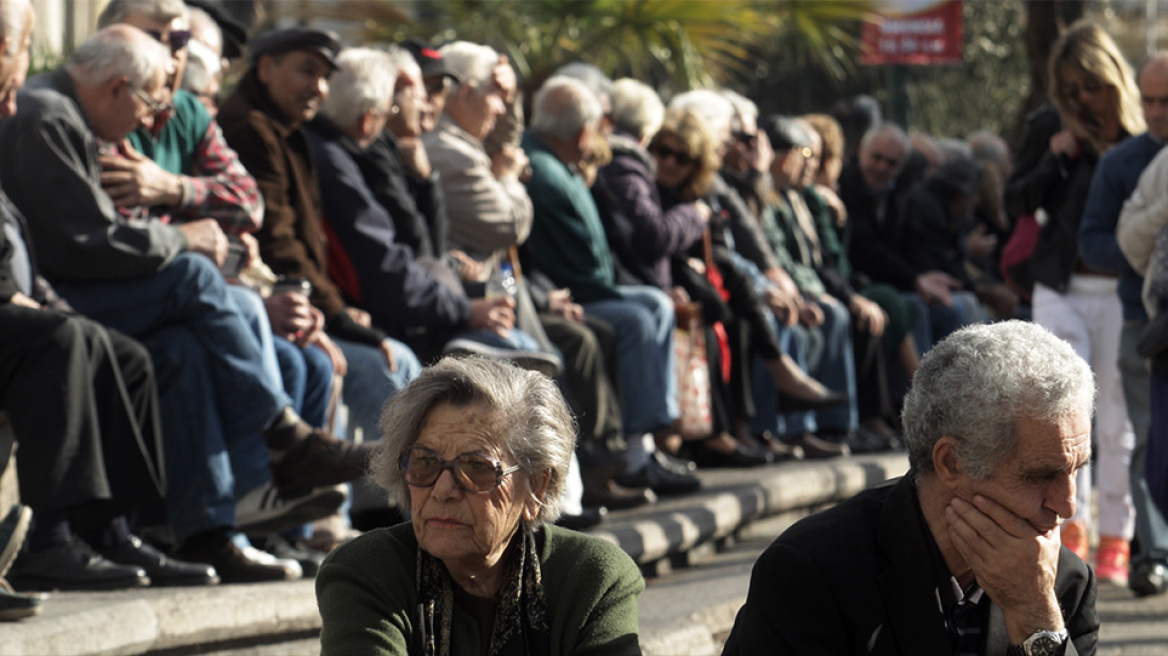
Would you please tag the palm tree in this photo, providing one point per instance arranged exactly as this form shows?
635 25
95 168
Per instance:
679 43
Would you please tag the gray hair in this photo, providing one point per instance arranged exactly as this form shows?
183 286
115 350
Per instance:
471 62
163 11
989 147
592 77
401 59
202 67
562 107
203 26
534 423
743 106
950 148
636 108
885 129
711 106
14 19
978 383
115 51
364 81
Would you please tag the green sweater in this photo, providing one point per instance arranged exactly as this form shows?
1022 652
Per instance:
367 594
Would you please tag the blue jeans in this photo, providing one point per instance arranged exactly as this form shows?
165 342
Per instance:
308 379
836 367
768 419
643 322
214 396
935 322
369 382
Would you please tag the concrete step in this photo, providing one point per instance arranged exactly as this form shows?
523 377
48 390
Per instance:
670 540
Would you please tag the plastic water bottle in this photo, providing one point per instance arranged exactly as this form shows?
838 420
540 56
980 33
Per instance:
502 282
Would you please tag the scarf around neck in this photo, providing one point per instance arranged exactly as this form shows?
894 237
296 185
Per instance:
520 626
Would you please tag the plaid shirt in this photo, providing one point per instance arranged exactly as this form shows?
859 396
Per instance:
219 187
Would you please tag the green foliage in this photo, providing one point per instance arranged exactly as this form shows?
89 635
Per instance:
990 89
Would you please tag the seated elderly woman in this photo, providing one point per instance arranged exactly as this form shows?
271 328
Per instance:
480 448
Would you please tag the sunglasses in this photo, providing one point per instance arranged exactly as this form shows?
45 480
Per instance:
177 40
472 472
746 138
665 152
153 105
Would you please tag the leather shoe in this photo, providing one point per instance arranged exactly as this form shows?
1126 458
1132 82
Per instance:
588 518
814 447
788 403
1148 578
780 451
216 549
319 460
162 569
614 496
73 565
705 456
660 480
265 510
18 606
674 464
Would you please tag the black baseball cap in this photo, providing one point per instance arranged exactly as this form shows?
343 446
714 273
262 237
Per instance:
429 59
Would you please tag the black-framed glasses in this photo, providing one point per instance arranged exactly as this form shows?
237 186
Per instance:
177 40
665 152
472 472
153 105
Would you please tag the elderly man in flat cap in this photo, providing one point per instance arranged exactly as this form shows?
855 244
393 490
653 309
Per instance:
263 121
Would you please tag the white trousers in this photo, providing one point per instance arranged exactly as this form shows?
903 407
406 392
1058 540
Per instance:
1089 316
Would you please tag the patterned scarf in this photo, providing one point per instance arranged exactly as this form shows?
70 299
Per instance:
520 627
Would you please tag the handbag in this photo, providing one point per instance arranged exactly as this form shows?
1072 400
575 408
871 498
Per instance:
1017 252
693 373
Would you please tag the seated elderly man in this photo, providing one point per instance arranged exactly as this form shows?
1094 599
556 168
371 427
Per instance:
263 121
159 283
961 556
568 245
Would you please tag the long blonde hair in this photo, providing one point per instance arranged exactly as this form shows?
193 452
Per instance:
1087 48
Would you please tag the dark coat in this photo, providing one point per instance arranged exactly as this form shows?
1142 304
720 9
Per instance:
401 295
934 240
875 249
856 580
416 205
292 239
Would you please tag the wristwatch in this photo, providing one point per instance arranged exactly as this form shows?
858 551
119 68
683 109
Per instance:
1040 643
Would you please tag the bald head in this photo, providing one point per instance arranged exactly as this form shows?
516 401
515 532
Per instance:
1153 82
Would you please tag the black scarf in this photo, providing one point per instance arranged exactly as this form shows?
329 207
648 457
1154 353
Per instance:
520 627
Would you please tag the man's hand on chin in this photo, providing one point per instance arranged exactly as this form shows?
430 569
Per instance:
1013 561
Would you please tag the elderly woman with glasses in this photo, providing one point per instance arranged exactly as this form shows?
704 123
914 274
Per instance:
480 449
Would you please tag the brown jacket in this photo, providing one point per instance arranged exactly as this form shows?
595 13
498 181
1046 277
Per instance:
279 155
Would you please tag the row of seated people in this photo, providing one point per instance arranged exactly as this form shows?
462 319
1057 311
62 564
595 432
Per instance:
394 189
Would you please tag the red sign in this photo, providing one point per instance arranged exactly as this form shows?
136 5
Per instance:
914 32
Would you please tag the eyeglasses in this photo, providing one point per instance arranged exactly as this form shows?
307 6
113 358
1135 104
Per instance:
472 472
665 152
177 40
153 105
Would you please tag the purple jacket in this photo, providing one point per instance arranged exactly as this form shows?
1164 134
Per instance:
657 234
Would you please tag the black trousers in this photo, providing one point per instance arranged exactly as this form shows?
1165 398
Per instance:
590 373
83 405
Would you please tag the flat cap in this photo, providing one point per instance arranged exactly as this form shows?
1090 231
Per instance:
429 59
274 42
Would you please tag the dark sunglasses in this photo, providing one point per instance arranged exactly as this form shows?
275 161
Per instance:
665 152
177 41
472 472
746 138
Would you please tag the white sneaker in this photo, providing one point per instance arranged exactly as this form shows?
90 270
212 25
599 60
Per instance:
264 558
263 510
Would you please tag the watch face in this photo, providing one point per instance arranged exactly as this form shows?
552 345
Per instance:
1045 645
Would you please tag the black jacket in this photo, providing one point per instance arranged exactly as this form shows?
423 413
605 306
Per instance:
856 579
875 249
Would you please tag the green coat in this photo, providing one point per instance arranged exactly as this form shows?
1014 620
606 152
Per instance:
367 594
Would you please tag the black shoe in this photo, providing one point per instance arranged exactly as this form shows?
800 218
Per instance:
674 464
216 549
587 519
814 447
12 531
612 495
788 403
283 548
319 460
780 451
1148 578
15 606
73 565
704 456
660 480
162 569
